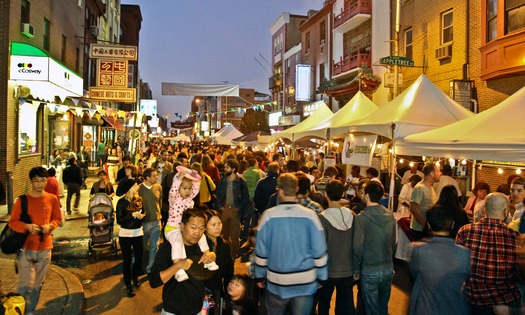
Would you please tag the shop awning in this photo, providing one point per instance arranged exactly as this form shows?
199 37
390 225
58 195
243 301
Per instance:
45 77
112 122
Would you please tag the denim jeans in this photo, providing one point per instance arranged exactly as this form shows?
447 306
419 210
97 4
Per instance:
32 266
151 234
344 300
376 291
299 305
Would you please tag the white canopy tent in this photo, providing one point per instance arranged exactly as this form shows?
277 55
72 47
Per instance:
320 114
337 124
227 134
421 107
493 134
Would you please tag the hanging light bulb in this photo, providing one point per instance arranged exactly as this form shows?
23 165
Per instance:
463 162
518 171
401 161
411 164
451 161
480 166
438 164
500 171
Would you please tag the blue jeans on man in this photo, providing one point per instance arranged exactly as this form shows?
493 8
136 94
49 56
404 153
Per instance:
376 287
151 234
299 305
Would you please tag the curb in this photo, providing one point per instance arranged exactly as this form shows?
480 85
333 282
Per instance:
75 292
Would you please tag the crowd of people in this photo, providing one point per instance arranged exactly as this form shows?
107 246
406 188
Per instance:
303 228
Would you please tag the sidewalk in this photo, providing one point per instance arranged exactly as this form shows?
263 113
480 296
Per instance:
62 292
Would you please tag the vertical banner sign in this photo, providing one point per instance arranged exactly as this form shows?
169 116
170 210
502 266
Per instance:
303 82
359 150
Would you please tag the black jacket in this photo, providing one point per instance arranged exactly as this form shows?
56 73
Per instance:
221 278
264 189
124 218
72 175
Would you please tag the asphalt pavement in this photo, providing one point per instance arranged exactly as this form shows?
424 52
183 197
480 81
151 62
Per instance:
80 284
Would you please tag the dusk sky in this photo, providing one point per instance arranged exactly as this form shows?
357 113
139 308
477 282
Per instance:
208 41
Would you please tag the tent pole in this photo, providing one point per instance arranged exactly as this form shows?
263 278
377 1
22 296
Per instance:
392 154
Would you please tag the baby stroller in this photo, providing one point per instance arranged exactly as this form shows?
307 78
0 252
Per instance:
100 216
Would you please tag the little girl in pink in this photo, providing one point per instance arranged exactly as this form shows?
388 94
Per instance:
185 187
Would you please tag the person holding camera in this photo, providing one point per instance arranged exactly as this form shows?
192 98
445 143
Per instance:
35 256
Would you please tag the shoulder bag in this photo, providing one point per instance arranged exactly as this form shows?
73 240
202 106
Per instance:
10 240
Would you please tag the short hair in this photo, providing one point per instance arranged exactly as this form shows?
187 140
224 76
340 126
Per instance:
511 178
181 156
481 186
415 178
232 163
304 169
303 183
439 219
38 171
504 189
356 169
273 167
321 154
126 158
372 171
292 166
375 190
447 170
496 204
102 172
148 172
313 168
197 167
71 160
288 183
429 168
518 181
330 171
251 162
51 172
334 190
276 157
193 213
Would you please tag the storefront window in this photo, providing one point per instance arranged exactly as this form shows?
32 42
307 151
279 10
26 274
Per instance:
28 128
60 134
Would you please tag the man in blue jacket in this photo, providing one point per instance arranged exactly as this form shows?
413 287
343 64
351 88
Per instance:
290 252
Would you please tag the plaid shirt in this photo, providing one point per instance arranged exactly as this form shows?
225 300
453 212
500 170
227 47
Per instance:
495 270
310 204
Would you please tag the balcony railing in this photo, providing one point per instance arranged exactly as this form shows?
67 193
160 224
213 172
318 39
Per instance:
351 62
355 8
275 81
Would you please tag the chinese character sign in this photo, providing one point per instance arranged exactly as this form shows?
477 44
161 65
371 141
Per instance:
112 73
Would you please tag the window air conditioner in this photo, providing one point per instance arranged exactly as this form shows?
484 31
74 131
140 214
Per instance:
322 42
94 30
444 52
27 30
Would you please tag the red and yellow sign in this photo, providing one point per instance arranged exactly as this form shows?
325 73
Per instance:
112 73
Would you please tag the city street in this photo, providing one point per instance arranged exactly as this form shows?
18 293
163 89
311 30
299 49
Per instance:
101 273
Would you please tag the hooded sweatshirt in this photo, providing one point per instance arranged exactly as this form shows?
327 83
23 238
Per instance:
337 224
374 240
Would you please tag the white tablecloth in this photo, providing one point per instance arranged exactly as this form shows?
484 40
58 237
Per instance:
404 246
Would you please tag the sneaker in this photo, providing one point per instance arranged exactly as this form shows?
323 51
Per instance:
130 291
211 266
136 282
69 212
181 275
76 209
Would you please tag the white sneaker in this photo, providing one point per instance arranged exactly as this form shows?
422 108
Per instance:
181 275
211 266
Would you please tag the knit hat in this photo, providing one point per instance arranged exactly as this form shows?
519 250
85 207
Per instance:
189 173
124 186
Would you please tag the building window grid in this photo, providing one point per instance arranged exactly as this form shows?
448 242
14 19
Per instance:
492 20
515 15
307 42
322 32
64 48
408 43
447 34
25 12
47 32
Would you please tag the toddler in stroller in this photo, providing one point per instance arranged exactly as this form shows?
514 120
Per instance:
100 216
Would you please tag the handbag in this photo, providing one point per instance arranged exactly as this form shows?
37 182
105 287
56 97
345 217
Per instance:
211 203
13 304
10 240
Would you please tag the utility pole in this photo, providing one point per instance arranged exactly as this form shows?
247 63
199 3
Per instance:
396 47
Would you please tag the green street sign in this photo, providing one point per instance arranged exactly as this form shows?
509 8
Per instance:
397 61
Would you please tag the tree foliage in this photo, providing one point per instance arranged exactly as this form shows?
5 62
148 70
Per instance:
254 120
